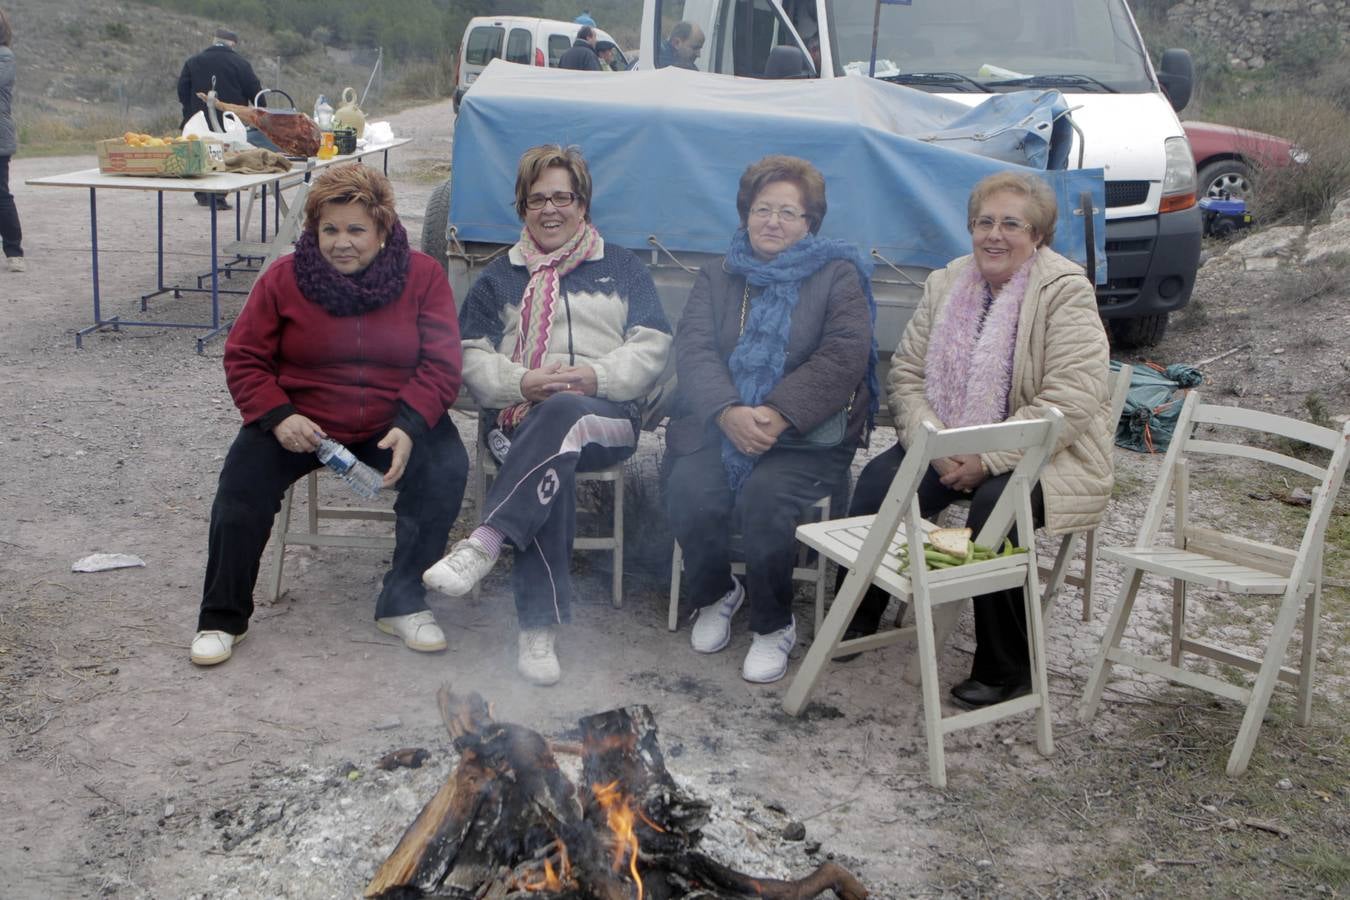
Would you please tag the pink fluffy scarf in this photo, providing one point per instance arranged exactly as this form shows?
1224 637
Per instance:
968 367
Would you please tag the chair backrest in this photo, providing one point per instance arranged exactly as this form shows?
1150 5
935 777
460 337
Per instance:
1186 441
1034 438
1118 388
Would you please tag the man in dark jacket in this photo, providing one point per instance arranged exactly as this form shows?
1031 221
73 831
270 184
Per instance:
235 82
581 55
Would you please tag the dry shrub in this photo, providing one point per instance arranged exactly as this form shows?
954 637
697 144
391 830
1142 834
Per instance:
1297 193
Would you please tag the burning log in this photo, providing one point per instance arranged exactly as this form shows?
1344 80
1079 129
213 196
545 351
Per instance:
508 825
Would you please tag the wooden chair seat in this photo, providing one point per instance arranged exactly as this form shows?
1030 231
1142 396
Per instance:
1197 568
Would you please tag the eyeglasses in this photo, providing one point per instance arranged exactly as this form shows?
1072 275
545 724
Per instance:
559 199
986 224
787 215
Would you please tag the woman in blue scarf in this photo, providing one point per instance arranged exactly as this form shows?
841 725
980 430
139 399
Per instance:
777 373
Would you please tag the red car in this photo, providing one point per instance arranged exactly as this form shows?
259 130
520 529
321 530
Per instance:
1225 157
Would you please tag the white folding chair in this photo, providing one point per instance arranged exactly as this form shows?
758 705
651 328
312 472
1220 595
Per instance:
283 536
485 468
1058 575
869 547
1224 562
802 570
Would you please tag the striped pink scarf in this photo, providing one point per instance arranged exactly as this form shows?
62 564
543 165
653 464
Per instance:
539 305
967 371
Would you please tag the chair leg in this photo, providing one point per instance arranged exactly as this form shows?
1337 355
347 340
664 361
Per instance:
928 688
1089 563
1115 627
479 498
1040 681
1312 617
1178 619
312 492
1060 570
826 638
279 532
676 571
618 539
1265 681
945 619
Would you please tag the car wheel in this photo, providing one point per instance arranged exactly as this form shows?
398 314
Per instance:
1226 177
434 242
1142 332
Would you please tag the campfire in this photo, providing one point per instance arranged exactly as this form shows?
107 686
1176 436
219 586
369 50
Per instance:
510 825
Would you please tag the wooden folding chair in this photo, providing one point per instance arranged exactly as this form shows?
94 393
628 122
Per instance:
869 547
1058 575
1220 561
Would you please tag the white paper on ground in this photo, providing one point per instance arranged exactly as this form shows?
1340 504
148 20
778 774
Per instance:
102 562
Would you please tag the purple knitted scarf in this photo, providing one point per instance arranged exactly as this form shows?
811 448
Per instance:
378 284
967 371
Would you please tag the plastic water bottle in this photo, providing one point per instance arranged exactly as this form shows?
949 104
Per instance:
323 114
359 476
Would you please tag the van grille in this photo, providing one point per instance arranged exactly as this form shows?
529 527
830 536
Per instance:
1126 193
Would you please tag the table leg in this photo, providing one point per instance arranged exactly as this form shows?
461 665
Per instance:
93 244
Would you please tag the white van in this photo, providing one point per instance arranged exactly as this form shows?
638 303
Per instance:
517 39
966 50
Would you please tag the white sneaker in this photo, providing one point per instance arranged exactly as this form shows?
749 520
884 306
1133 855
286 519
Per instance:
16 264
211 648
418 630
536 659
712 629
768 657
456 575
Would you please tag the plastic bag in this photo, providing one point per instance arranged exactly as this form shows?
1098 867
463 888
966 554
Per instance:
1153 405
378 134
235 135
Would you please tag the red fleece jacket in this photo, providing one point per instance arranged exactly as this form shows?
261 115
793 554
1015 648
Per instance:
353 375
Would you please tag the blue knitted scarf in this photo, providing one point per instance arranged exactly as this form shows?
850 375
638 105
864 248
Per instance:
757 362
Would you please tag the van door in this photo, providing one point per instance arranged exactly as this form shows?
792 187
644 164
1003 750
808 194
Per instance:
483 45
558 44
739 33
520 46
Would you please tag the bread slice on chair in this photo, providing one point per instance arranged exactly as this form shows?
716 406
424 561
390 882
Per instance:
953 541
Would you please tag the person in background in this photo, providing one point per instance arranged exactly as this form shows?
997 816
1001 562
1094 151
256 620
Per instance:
1001 335
776 366
11 235
581 55
605 50
585 18
564 338
235 82
353 337
682 48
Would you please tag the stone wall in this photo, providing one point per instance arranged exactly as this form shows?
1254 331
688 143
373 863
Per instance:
1253 32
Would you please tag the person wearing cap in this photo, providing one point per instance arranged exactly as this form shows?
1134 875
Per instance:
605 51
235 82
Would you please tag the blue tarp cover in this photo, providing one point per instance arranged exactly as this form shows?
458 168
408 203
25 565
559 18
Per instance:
667 148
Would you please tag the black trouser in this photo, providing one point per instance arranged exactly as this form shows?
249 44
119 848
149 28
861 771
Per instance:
533 500
1000 617
11 235
766 511
253 481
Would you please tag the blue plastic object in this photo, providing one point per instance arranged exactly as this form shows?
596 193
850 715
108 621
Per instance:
667 148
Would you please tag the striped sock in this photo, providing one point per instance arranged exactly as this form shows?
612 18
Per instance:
489 538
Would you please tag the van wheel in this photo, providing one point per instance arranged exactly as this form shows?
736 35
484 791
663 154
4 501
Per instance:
1142 332
434 242
1225 177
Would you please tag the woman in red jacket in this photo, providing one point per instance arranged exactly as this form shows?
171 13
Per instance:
353 337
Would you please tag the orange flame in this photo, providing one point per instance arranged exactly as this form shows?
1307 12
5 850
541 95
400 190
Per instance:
553 881
620 817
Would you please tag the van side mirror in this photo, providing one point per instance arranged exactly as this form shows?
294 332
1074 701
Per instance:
1177 77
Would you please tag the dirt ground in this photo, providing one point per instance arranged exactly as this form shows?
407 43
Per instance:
128 772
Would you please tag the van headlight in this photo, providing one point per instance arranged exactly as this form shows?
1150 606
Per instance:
1178 184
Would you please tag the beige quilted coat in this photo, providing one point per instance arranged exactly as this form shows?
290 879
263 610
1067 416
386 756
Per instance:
1060 361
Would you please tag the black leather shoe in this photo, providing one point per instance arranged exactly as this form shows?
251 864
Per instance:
972 694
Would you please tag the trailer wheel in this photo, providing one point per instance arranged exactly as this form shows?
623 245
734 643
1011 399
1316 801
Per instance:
434 242
1142 332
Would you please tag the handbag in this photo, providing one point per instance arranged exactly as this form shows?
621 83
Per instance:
829 433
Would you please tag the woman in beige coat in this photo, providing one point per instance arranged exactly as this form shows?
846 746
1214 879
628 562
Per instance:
1002 334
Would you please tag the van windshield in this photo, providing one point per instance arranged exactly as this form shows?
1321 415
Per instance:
993 45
